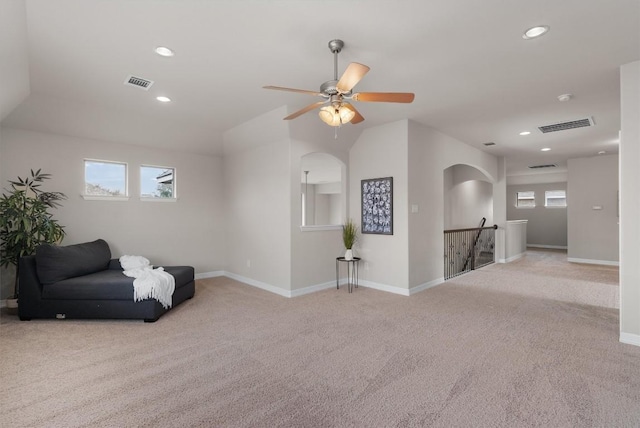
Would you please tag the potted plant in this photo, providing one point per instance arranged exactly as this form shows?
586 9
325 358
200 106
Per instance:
25 221
349 238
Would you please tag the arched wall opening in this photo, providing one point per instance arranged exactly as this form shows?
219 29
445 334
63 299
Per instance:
468 197
322 190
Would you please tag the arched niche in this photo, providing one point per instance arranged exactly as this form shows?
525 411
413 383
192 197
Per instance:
322 190
468 197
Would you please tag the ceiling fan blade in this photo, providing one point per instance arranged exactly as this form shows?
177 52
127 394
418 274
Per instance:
384 97
351 77
300 91
358 117
304 110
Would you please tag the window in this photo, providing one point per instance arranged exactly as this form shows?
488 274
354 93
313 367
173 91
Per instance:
555 198
105 179
526 200
157 182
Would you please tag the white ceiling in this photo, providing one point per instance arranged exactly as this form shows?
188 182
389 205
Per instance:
474 76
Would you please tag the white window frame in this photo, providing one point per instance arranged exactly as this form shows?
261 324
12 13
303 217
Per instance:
174 198
533 198
546 198
120 198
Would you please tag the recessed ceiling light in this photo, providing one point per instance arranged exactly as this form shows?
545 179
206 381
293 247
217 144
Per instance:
525 133
536 31
164 51
546 149
163 99
564 97
602 152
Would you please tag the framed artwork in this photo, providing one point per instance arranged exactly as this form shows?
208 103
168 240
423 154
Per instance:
377 206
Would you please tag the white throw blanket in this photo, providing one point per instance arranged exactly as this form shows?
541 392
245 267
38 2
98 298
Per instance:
149 283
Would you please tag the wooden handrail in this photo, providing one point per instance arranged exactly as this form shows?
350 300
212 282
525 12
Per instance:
495 226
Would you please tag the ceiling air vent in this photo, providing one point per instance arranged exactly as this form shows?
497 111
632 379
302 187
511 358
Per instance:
138 82
490 143
551 165
567 125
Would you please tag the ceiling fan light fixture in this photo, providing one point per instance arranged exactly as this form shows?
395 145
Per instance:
333 116
346 114
328 115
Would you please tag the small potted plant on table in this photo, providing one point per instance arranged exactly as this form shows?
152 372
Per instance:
349 238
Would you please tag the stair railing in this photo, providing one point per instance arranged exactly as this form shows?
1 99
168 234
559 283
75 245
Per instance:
468 249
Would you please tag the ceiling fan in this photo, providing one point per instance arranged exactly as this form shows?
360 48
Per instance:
335 93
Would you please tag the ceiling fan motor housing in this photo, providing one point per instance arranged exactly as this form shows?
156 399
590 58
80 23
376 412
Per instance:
329 88
336 45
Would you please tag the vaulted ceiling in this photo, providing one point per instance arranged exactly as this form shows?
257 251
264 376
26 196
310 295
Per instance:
474 76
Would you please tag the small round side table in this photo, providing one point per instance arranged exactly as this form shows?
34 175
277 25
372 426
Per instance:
352 272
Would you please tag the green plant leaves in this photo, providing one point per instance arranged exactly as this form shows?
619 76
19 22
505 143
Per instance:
25 221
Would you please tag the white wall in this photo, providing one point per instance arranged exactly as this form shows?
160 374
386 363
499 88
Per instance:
516 240
546 227
262 170
14 60
500 208
382 152
593 234
430 153
630 204
186 232
313 252
257 202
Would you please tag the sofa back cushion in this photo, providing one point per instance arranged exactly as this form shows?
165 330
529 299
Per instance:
55 263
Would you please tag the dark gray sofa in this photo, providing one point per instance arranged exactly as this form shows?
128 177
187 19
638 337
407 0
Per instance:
82 281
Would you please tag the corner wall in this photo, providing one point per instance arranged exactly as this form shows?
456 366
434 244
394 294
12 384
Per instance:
14 67
257 202
187 232
593 234
382 151
430 153
546 227
630 204
314 252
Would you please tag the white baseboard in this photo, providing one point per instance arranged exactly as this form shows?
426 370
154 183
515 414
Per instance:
281 292
630 339
213 274
314 288
384 287
550 247
512 258
330 284
258 284
426 286
593 262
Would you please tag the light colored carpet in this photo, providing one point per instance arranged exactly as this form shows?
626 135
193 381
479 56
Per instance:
457 355
547 274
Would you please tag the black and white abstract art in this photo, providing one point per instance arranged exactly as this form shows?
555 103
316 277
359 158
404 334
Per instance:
377 206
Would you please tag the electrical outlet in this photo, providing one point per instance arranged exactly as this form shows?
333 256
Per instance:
248 263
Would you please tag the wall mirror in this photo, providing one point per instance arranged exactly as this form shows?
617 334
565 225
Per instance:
322 190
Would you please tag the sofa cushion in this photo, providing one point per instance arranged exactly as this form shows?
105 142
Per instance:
56 263
103 285
110 284
182 274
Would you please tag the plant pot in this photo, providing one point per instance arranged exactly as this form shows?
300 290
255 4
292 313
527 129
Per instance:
12 303
348 255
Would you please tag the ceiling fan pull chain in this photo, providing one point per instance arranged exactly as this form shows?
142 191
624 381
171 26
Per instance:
335 136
